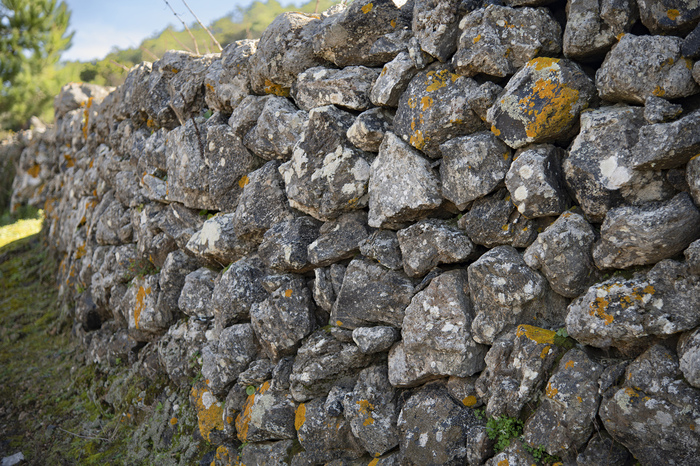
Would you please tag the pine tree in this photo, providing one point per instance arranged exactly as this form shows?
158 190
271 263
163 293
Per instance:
33 34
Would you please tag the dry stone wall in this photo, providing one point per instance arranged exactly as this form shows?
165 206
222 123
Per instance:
377 227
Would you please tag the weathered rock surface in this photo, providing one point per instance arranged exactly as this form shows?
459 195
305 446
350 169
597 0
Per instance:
339 239
659 110
383 246
278 128
640 66
435 26
217 241
668 17
499 40
348 88
225 358
374 339
367 132
285 245
196 293
541 102
266 415
393 80
238 288
689 357
226 82
667 145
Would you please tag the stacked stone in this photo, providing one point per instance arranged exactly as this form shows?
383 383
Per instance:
377 220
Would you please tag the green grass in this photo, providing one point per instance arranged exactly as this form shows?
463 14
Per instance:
12 229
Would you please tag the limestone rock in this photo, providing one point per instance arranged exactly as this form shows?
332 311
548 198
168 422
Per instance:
217 241
326 175
371 294
284 247
383 246
439 105
247 113
339 239
226 82
402 185
668 17
179 349
429 243
625 313
172 278
563 422
659 110
435 26
374 339
506 292
667 145
393 80
640 66
472 167
603 450
499 40
541 102
267 453
278 128
348 88
238 288
267 415
515 454
196 293
367 132
563 253
645 235
535 181
225 358
693 178
689 357
145 319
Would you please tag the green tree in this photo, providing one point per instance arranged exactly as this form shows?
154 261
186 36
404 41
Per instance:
33 34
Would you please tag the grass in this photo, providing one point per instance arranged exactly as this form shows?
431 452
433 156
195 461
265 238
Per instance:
13 230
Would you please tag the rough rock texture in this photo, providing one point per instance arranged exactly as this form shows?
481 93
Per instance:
541 103
238 288
593 27
348 88
667 145
668 17
367 132
689 356
228 356
383 246
196 293
285 245
435 26
339 239
393 80
278 128
217 241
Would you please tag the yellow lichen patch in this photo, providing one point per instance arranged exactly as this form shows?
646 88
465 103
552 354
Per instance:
695 157
536 334
545 351
437 80
393 23
476 39
210 87
550 392
426 102
495 130
80 252
505 227
276 89
598 308
367 8
69 160
503 462
338 323
86 116
673 14
580 400
412 102
243 181
469 401
299 416
224 456
688 63
569 364
288 293
541 63
649 289
174 70
173 421
631 393
418 140
209 411
34 171
368 421
263 388
243 419
150 123
373 462
554 101
366 409
659 91
506 154
140 305
229 419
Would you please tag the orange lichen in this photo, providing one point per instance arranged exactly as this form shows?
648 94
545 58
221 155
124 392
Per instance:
659 91
69 161
550 392
276 89
373 462
366 409
549 104
673 14
541 63
569 364
393 23
338 323
598 308
243 181
209 411
495 130
476 39
173 421
536 334
210 87
437 80
299 416
34 171
288 293
80 252
545 351
367 8
140 305
243 419
86 116
503 462
469 401
426 102
418 140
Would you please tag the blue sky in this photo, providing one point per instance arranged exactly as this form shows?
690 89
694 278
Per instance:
100 25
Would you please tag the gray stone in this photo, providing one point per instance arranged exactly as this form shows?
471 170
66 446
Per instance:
439 105
348 88
658 110
402 185
247 113
139 305
371 294
383 246
172 278
226 82
517 366
435 26
393 80
658 69
654 413
225 358
283 319
472 167
689 357
506 292
374 339
437 336
322 289
339 239
368 130
626 313
75 95
464 390
321 443
498 40
563 253
257 373
262 203
326 175
267 454
598 170
229 163
431 242
693 178
113 223
284 246
238 288
279 127
667 145
563 422
217 241
645 235
692 257
283 52
603 450
196 293
535 181
321 362
179 351
592 27
515 454
362 33
494 221
541 102
372 411
267 415
433 428
668 17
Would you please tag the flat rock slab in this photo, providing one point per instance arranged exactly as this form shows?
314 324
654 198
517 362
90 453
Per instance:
348 88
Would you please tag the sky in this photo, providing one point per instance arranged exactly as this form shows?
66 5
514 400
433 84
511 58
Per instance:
100 25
